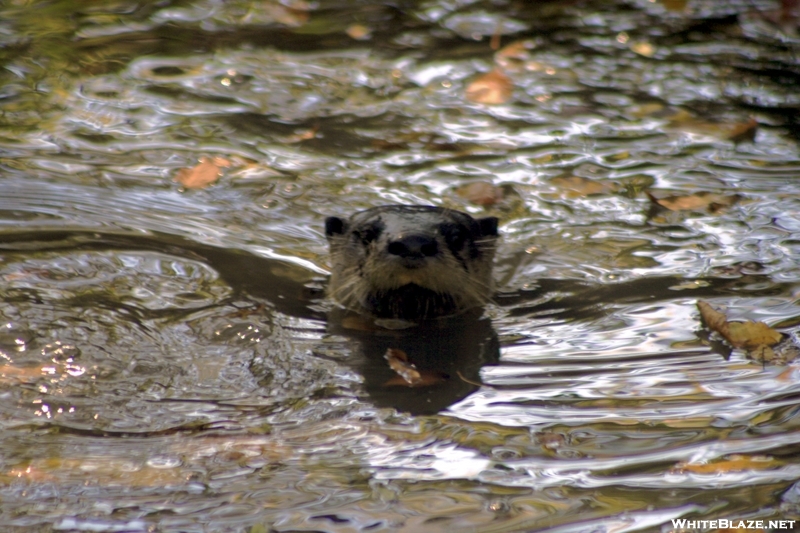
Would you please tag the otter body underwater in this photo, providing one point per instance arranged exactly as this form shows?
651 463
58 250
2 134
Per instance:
411 262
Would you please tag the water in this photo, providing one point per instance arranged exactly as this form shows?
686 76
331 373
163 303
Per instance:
170 363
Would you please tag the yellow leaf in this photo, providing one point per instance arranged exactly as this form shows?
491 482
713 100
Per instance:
732 463
643 48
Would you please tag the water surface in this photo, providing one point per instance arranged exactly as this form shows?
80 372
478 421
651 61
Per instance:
168 362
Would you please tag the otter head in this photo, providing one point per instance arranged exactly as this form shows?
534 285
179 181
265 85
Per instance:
411 262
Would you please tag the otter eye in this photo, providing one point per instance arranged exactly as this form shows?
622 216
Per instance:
368 234
455 237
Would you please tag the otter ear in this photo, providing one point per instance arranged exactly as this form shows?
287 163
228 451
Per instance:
335 226
488 226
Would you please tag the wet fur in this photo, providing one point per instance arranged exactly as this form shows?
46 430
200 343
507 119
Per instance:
366 277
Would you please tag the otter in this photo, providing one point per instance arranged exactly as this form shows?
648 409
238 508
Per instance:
411 262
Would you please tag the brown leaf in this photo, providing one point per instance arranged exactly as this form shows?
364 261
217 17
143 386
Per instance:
743 131
481 193
398 361
733 131
292 13
518 57
494 43
756 338
700 201
578 186
407 373
359 32
675 5
491 88
206 172
518 50
426 379
302 135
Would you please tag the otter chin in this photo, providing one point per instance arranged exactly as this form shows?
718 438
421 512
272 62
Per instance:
411 262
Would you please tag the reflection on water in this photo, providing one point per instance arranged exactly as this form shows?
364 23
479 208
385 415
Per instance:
169 363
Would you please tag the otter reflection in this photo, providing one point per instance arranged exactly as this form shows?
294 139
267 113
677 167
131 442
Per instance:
447 352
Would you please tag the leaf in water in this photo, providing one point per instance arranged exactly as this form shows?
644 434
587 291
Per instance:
743 131
492 88
30 374
757 338
481 193
407 373
732 131
514 53
651 110
359 32
643 48
206 172
98 469
518 57
675 5
576 186
398 361
700 201
683 120
731 463
302 135
292 13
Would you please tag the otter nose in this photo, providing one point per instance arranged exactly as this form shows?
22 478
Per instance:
413 246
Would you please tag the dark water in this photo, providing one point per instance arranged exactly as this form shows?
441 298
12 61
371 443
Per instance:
168 364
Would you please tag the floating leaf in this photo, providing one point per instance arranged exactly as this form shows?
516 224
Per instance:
206 172
516 51
643 48
358 32
407 373
732 463
732 131
481 193
756 338
577 186
491 88
398 361
743 131
700 201
302 135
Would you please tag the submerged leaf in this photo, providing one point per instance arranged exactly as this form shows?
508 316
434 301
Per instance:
481 193
492 88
